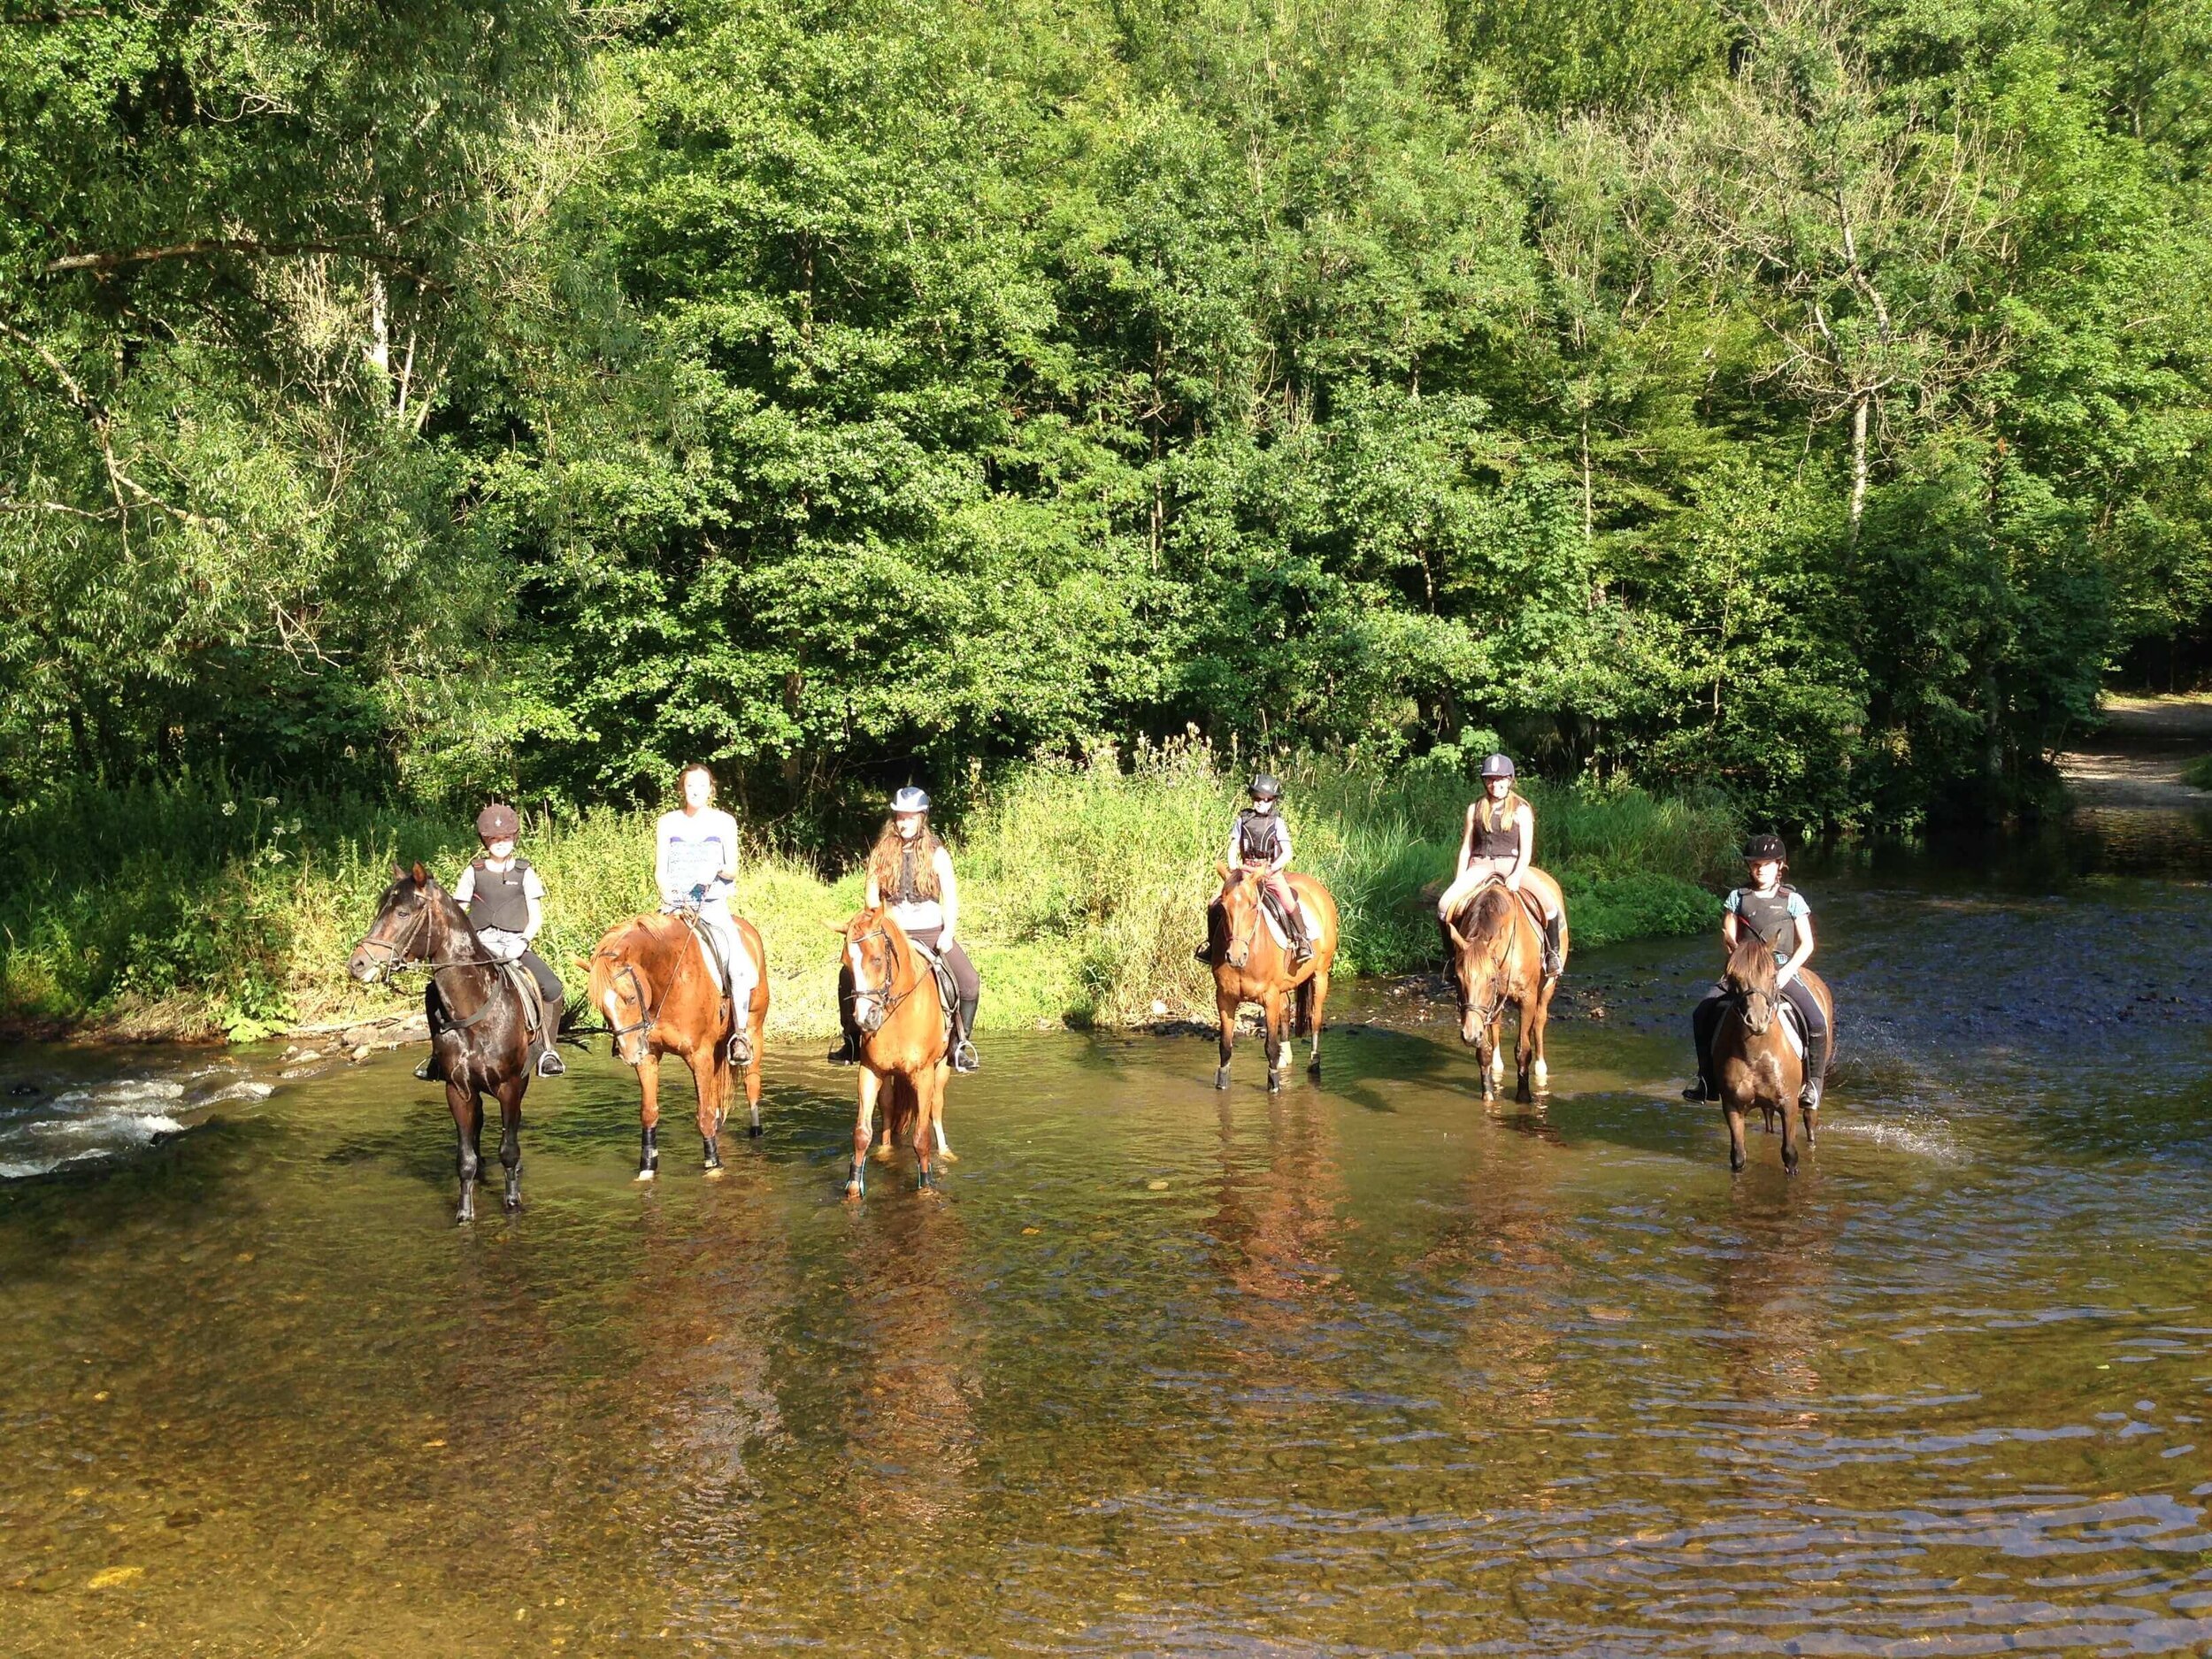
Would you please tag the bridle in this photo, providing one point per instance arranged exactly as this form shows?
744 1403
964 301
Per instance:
648 1016
884 1003
1240 951
395 959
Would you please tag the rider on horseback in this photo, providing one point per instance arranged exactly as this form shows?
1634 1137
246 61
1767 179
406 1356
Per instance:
504 900
1259 841
694 865
1497 845
1777 913
911 870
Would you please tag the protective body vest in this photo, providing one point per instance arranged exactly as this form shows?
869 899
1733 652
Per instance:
1260 837
913 897
1767 915
1497 834
497 899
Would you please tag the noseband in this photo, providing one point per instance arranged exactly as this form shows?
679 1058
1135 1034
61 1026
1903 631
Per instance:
395 956
647 1017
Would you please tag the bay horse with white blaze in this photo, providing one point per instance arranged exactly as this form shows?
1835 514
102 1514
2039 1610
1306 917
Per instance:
1250 964
1496 954
484 1043
1754 1060
649 980
905 1042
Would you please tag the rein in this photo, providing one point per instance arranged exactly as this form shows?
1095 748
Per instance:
395 960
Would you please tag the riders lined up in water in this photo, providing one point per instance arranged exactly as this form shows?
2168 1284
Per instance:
1777 914
694 865
1498 843
504 900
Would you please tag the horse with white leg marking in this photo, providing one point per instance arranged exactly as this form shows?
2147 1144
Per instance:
1251 964
905 1043
1755 1060
1495 953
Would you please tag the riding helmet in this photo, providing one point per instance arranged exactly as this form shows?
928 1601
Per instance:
1497 766
1265 789
497 823
910 799
1760 847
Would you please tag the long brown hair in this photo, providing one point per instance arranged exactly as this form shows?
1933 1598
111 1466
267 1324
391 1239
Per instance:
890 849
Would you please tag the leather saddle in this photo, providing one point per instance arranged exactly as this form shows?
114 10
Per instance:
947 993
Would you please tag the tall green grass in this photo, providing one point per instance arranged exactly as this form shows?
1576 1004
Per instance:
191 910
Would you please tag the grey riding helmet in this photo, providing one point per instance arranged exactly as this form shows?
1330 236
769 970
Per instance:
1265 789
910 799
1497 766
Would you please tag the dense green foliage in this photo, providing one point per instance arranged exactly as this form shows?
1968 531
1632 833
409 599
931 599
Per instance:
1083 891
1801 399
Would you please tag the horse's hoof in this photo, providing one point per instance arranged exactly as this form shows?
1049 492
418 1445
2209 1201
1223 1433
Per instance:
753 1131
883 1152
514 1202
1542 1075
712 1173
647 1175
1221 1077
1735 1164
946 1154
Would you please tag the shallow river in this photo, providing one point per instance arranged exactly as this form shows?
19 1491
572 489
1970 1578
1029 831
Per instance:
1365 1368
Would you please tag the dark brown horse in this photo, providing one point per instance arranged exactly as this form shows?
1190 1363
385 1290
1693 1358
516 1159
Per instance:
483 1042
659 997
903 1044
1250 966
1753 1059
1496 953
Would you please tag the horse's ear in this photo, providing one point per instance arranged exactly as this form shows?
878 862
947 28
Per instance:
398 874
836 927
1224 869
1459 939
420 874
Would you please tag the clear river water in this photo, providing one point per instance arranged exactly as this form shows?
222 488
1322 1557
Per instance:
1365 1368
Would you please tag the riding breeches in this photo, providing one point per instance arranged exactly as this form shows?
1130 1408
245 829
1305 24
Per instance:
1481 870
738 972
954 957
1705 1021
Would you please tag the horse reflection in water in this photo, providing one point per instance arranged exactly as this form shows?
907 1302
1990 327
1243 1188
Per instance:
1276 1227
909 1472
708 1297
1771 1298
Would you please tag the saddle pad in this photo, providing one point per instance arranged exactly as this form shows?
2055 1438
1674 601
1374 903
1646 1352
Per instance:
947 993
1793 1029
702 932
1305 914
525 988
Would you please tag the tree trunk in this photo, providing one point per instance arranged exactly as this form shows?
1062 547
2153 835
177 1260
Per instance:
1858 463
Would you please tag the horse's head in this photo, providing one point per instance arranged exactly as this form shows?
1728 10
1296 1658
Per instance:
622 989
1479 938
408 920
875 945
1238 904
1750 980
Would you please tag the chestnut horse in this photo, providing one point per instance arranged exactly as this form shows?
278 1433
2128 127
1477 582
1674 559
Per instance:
1753 1059
1250 966
1496 954
484 1045
649 980
904 1041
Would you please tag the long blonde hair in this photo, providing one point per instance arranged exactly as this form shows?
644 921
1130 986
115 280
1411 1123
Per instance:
885 862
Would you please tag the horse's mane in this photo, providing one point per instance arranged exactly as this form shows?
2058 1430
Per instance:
1488 910
1751 966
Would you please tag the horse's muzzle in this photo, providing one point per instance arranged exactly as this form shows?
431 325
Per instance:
364 968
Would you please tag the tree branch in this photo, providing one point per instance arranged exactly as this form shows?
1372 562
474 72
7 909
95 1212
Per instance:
247 245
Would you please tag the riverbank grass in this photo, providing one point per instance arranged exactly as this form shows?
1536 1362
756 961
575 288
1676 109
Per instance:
195 911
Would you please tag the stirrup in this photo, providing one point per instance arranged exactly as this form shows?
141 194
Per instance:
1204 953
740 1049
552 1065
1302 951
1697 1092
964 1058
846 1053
427 1072
1808 1097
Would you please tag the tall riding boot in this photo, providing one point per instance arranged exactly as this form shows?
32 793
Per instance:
428 1071
1816 1071
1554 950
964 1058
1702 1033
549 1062
1301 942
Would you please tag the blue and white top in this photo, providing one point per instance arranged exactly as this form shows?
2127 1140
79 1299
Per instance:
695 849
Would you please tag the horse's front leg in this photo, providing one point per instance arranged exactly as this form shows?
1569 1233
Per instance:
468 1128
1792 1126
510 1095
1226 1007
759 1034
711 1077
1488 1061
1541 1069
864 1132
1496 1051
1731 1109
648 1115
1276 1011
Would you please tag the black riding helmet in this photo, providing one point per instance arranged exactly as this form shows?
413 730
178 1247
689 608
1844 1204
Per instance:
1265 789
1760 847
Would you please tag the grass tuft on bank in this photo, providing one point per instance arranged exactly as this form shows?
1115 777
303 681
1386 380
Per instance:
193 911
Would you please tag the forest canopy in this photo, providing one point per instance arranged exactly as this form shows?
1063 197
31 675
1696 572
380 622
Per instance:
421 399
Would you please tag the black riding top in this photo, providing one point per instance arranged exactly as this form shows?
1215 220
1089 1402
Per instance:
499 899
1772 915
1261 837
1497 834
